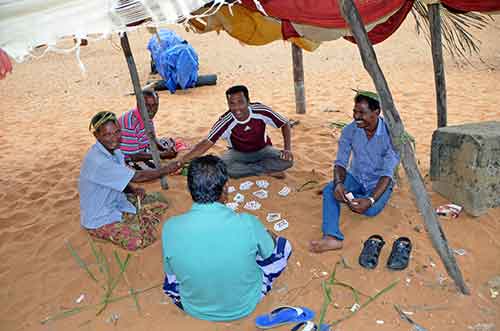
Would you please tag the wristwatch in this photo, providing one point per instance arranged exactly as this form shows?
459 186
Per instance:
372 200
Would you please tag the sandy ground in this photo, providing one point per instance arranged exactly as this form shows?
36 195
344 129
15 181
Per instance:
46 105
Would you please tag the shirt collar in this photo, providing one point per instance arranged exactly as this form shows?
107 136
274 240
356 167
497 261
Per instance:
380 127
103 149
206 206
250 113
137 114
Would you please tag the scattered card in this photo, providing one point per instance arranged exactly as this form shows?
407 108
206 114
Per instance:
239 198
232 205
281 225
252 205
284 191
246 185
262 183
273 217
261 194
231 189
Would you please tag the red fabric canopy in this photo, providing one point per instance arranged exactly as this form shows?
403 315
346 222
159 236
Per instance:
325 13
472 5
384 30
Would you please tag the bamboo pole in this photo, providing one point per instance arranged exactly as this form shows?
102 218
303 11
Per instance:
134 76
391 115
298 79
438 62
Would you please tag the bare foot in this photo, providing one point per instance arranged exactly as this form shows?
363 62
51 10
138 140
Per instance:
325 244
277 175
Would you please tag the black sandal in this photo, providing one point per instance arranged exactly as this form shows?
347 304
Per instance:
400 254
371 251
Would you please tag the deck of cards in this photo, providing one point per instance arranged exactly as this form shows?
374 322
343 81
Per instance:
349 196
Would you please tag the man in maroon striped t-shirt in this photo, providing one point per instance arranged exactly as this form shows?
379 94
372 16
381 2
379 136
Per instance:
243 126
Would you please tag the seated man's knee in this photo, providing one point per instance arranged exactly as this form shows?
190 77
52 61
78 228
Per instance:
328 189
372 212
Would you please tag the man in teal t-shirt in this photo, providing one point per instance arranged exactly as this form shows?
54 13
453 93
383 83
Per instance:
218 263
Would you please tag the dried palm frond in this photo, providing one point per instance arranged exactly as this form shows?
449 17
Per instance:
457 35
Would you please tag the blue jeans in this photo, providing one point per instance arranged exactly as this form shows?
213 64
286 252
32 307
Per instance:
331 206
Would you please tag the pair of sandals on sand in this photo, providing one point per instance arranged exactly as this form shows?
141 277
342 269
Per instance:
400 253
301 316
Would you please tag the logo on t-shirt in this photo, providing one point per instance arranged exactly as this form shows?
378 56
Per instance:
247 128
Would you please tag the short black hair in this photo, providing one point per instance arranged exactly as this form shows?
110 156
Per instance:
206 177
149 92
238 88
372 103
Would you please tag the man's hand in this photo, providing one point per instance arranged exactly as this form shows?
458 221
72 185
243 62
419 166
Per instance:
139 191
173 166
286 155
359 205
168 154
339 193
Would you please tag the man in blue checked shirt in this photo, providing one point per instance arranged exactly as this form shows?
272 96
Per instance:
365 183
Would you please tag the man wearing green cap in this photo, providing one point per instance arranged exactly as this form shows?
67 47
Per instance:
365 183
105 211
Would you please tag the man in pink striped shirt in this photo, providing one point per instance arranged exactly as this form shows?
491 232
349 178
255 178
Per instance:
134 142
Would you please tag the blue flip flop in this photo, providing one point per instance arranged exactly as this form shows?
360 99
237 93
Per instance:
284 315
310 326
305 326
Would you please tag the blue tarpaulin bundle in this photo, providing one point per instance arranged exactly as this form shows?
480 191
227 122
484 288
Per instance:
176 61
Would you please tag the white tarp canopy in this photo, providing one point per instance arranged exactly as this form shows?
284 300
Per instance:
26 24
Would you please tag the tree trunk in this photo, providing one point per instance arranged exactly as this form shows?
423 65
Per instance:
298 79
142 106
437 60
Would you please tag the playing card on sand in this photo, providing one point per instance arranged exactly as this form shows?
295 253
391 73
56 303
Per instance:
284 191
232 205
281 225
262 183
231 189
246 185
252 205
261 194
273 217
238 198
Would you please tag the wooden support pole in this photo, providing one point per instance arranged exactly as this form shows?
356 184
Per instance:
391 115
437 60
298 79
134 76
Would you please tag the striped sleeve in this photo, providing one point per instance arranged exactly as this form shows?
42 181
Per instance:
220 127
129 135
271 117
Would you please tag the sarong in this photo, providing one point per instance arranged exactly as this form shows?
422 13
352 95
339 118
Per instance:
135 231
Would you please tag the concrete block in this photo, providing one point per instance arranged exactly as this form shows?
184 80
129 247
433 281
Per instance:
465 165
